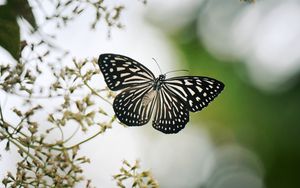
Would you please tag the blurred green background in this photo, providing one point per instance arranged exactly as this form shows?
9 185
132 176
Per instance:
265 121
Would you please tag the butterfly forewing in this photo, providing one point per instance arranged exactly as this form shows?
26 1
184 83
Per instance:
122 72
196 91
132 106
171 114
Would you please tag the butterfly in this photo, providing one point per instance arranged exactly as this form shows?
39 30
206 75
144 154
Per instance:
142 94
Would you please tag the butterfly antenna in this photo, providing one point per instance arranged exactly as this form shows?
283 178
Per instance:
157 65
177 71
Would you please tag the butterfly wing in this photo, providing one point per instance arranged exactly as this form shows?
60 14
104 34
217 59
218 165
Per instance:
196 91
122 72
171 113
134 106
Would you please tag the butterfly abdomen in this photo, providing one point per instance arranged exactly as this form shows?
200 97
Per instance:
148 97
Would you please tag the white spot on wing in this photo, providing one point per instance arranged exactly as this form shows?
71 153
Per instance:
134 69
125 74
199 89
191 102
120 68
119 59
191 91
210 82
187 82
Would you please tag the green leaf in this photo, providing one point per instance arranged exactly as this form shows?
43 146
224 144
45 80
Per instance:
9 28
23 9
9 31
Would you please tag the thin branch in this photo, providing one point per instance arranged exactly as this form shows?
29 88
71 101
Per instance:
86 140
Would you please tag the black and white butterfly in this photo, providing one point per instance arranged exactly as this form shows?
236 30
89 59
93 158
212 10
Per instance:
142 93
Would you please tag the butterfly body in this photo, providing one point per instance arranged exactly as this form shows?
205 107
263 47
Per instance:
143 94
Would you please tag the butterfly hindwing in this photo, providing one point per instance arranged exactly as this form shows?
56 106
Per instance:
171 113
132 107
196 91
121 72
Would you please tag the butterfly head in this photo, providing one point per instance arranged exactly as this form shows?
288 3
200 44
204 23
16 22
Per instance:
161 77
158 81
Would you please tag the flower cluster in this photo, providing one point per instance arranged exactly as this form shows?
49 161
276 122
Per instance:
132 175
